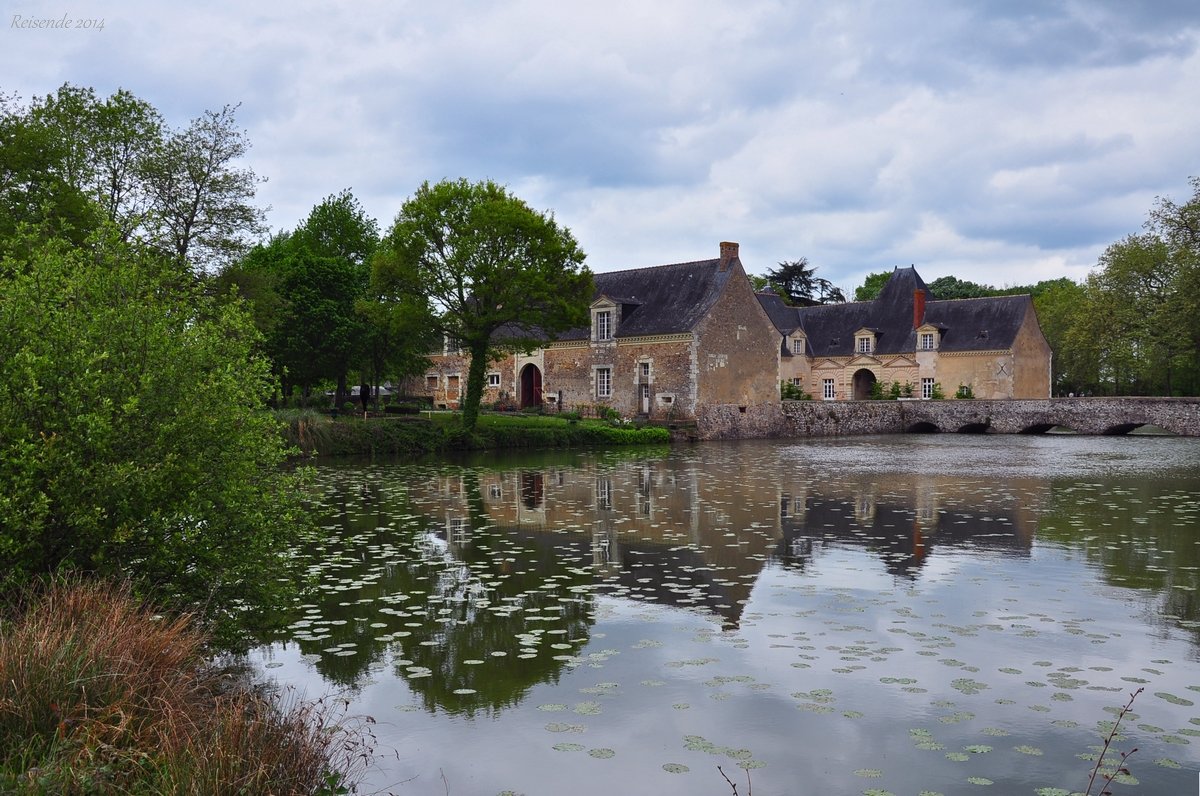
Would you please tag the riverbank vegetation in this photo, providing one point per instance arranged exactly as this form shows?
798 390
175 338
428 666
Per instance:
317 434
98 694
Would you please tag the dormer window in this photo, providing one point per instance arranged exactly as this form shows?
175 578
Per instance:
604 330
864 341
798 346
928 337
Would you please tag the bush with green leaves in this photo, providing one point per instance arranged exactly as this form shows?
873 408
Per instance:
792 392
133 437
964 392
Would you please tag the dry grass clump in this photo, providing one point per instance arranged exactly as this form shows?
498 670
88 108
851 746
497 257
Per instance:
99 695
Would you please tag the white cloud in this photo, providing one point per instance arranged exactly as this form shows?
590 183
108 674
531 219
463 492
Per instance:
996 142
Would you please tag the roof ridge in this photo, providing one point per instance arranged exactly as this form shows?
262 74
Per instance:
663 265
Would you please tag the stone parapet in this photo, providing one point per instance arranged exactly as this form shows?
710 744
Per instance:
1010 416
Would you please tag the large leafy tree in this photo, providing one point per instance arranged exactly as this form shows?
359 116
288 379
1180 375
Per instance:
498 275
310 290
201 199
797 284
132 438
71 160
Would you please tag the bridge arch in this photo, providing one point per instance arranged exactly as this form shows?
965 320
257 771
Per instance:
922 427
974 428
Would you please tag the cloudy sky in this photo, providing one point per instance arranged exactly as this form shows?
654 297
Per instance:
1003 142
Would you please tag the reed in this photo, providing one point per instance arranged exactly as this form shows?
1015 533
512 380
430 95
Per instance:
100 694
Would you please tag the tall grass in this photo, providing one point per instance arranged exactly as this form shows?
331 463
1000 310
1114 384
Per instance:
99 695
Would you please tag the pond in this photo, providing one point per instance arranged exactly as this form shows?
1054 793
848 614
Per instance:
906 615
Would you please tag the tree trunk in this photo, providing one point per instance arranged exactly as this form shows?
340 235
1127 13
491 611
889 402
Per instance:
475 376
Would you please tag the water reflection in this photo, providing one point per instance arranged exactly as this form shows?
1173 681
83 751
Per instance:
904 577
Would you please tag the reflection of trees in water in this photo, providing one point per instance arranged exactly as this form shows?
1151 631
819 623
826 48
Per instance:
461 592
1141 534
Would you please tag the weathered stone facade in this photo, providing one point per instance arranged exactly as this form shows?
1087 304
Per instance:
665 344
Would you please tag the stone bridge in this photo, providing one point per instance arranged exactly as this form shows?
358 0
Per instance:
1011 416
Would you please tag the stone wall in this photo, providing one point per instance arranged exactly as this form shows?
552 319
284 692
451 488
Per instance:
1014 416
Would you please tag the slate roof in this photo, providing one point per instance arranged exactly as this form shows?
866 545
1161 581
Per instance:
979 324
663 299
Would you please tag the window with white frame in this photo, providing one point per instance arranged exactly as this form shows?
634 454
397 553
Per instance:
603 382
797 381
928 341
926 388
797 345
604 330
866 344
644 367
827 389
493 380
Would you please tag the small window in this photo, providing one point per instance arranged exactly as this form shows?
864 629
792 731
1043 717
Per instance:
451 386
604 325
827 390
645 367
495 491
493 380
603 382
926 388
431 383
798 382
927 341
865 345
797 345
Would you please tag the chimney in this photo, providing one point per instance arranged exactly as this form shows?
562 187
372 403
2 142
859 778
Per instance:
729 252
918 307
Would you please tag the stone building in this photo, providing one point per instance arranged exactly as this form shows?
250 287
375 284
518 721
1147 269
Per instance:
664 343
994 345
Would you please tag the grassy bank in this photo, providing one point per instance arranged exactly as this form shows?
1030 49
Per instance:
316 434
99 695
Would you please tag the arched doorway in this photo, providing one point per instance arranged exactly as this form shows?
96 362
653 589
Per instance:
864 380
531 386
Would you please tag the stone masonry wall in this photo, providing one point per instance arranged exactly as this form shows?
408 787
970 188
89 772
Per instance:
1013 416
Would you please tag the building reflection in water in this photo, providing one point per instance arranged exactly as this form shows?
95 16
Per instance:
667 531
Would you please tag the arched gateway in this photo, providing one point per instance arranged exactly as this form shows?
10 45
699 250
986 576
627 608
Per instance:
531 386
864 380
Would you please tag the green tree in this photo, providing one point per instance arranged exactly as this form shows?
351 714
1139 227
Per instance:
133 441
871 286
498 275
951 287
70 160
200 199
307 288
797 284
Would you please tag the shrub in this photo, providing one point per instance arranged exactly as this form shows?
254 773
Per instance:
792 392
134 441
937 393
964 392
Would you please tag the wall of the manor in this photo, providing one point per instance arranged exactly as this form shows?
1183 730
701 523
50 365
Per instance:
738 356
645 377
